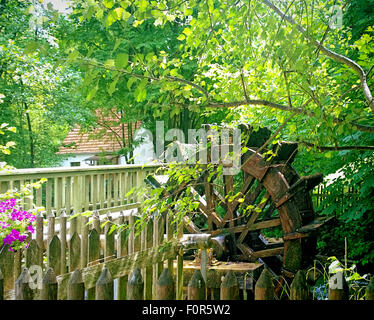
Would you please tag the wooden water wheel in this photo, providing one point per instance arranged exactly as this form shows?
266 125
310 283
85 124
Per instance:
264 212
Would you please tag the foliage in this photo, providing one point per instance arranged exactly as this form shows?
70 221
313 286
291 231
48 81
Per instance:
321 273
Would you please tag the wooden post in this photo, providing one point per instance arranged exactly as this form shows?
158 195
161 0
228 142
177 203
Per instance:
230 287
63 219
22 286
93 256
135 286
338 288
165 286
75 288
108 241
121 252
54 255
213 284
179 275
39 235
299 287
204 262
32 254
148 269
196 287
18 262
369 295
7 267
96 222
74 252
104 286
264 289
1 286
49 286
84 242
51 229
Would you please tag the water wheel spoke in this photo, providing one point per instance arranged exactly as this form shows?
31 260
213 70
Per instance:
253 218
190 226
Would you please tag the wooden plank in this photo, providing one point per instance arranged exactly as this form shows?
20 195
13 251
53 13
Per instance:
109 189
121 252
75 286
122 266
63 220
115 188
39 230
22 286
49 286
253 217
86 198
102 190
48 196
32 254
74 252
256 226
84 242
109 241
104 286
51 229
93 257
58 195
54 255
67 187
7 267
94 191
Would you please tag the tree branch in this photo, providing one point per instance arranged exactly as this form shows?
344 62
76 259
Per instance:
333 55
210 104
336 148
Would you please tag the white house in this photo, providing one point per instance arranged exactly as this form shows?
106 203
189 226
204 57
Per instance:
101 145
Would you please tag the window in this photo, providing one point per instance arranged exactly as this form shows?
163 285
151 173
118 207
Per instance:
75 164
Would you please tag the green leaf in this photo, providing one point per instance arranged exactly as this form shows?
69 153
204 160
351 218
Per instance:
121 60
92 93
130 192
130 82
108 3
181 37
112 86
187 31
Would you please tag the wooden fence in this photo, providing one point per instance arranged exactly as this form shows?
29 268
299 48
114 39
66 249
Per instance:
53 267
320 194
72 189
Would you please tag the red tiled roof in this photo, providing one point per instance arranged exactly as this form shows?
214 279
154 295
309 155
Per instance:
105 138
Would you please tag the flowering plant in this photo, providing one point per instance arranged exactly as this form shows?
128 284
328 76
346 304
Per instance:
15 224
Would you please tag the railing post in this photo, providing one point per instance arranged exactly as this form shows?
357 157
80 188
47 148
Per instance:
93 256
299 287
22 286
135 286
196 287
104 286
121 251
165 286
264 289
49 286
54 255
63 219
230 287
75 288
74 252
1 286
369 295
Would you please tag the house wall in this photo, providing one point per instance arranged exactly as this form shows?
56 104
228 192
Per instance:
143 153
76 158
